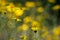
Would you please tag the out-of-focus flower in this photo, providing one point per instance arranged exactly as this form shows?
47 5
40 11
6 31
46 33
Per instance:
40 9
56 7
56 31
35 25
51 1
18 11
10 7
30 4
2 5
23 27
27 19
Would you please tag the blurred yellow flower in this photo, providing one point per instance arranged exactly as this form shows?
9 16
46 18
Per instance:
18 11
30 4
56 31
35 25
2 5
27 19
40 9
23 27
56 7
51 1
10 7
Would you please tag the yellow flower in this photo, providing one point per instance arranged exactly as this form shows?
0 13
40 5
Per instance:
10 7
30 4
35 25
40 9
23 27
56 7
18 11
2 5
51 1
27 19
56 31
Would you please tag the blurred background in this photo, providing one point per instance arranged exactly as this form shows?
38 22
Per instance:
29 20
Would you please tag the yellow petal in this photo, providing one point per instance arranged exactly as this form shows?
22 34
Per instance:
35 28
